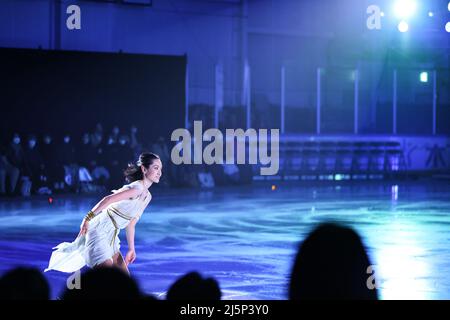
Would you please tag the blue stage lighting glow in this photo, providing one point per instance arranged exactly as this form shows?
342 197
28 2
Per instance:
424 76
447 27
405 8
430 14
403 26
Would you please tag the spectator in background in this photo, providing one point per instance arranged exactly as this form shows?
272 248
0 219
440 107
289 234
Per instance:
98 131
99 162
66 162
97 139
8 173
34 164
115 134
231 172
98 144
15 156
49 152
118 154
135 145
125 153
86 152
331 263
84 176
111 156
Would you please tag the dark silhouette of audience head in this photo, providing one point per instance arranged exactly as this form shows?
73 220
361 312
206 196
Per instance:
106 283
193 287
331 264
24 283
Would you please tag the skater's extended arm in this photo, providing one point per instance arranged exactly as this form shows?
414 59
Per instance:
130 230
122 195
105 202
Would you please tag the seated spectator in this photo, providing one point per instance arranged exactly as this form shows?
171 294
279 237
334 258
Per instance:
34 164
206 179
49 153
231 172
115 133
111 159
125 153
24 284
84 153
15 157
331 264
8 173
98 129
193 287
99 161
68 168
135 145
104 283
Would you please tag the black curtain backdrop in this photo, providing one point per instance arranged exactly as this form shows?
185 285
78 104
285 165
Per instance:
68 91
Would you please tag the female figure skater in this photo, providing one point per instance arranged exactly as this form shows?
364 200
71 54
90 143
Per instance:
97 244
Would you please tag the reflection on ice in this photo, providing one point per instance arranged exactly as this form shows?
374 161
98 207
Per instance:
246 238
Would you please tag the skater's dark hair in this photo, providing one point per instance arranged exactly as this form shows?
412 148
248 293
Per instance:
133 172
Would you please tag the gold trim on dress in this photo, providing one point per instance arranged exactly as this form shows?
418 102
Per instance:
120 214
110 211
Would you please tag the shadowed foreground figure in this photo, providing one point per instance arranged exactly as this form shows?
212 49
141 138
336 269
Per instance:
192 286
105 283
331 264
24 284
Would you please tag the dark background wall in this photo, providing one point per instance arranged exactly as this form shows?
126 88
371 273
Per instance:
301 35
68 91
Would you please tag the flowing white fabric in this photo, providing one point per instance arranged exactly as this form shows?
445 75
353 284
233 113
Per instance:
101 241
69 257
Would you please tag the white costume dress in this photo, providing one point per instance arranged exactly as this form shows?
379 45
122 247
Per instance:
101 241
